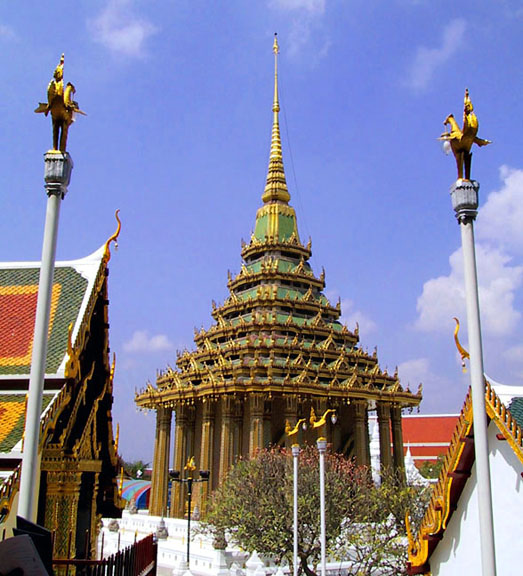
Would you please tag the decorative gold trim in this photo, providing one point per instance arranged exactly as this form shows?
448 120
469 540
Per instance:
113 238
462 352
439 510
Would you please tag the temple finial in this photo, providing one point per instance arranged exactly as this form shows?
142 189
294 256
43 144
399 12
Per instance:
276 186
276 51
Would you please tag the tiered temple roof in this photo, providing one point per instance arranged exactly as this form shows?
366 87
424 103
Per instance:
275 351
276 332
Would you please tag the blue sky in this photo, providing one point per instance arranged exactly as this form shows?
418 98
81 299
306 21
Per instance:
178 95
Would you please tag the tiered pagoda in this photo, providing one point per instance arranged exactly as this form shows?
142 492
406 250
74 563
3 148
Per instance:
276 349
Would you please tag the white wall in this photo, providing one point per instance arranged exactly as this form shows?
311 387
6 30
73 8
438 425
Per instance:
459 550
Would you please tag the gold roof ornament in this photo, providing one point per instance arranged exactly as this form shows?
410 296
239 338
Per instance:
462 352
61 105
460 140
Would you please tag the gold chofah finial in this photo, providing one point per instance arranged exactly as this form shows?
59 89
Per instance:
113 238
461 140
462 352
61 105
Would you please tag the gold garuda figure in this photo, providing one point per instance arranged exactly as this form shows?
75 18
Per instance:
61 105
461 140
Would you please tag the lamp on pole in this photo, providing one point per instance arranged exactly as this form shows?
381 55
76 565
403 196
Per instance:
295 448
464 195
321 443
58 168
189 480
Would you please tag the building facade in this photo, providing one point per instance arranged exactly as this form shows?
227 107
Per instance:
77 483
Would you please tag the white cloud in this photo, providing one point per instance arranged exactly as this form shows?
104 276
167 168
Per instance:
414 372
310 6
417 371
444 297
429 59
500 235
307 14
500 219
120 31
141 342
350 317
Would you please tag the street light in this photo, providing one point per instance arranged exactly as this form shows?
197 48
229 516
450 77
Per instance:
321 443
190 480
295 453
465 202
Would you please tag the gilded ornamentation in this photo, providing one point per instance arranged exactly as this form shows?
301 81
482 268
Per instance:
61 105
461 140
462 352
113 238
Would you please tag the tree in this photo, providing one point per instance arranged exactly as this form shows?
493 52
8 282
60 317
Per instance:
374 537
135 469
432 468
254 507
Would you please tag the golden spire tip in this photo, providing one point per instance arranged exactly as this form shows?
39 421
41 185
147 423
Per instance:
275 47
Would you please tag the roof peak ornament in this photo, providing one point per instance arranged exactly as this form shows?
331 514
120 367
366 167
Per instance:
276 186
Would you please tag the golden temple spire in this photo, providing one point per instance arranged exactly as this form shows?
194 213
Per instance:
276 186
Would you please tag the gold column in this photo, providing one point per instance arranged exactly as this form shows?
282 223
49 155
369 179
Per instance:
237 432
183 451
397 440
206 452
256 403
226 440
360 433
61 509
160 475
383 410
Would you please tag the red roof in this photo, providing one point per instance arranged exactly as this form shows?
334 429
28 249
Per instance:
428 428
428 436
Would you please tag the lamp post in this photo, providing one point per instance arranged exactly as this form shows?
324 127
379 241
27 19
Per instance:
321 443
295 448
190 480
295 454
464 195
58 168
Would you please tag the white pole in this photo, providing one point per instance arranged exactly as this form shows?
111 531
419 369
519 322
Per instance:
295 453
58 166
322 448
465 202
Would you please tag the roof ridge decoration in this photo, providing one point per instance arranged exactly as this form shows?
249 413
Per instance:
75 344
456 468
113 238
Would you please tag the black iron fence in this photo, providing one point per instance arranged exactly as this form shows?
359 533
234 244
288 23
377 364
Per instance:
139 559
